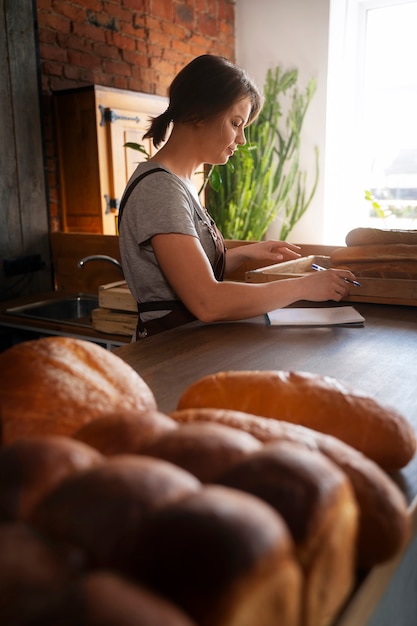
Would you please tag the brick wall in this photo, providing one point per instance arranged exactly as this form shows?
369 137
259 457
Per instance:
127 44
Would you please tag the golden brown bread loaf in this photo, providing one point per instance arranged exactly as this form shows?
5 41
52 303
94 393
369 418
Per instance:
124 431
317 502
100 510
384 520
369 236
55 385
104 598
225 557
318 402
379 260
30 468
32 568
206 450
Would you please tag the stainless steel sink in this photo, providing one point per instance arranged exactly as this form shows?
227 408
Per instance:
75 309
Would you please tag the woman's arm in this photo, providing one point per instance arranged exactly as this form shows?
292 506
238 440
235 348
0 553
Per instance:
270 251
187 269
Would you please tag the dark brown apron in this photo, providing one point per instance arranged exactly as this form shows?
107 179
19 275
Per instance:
179 314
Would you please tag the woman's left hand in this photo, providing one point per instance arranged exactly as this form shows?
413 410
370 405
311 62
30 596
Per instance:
267 252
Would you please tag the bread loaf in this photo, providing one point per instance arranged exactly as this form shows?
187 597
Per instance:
318 402
104 598
32 569
225 557
370 236
55 385
100 510
383 260
206 450
124 431
317 502
384 520
30 468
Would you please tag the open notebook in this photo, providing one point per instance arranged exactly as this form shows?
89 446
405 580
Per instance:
326 316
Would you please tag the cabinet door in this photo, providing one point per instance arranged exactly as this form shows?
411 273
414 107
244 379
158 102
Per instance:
123 126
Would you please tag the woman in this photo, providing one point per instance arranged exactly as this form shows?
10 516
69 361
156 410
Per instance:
173 256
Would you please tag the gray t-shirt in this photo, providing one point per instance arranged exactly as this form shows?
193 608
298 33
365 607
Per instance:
160 203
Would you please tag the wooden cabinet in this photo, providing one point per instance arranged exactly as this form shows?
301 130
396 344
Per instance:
93 123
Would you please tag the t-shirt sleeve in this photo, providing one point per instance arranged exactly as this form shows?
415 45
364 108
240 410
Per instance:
159 204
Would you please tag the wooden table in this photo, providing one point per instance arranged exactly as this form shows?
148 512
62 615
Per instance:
379 358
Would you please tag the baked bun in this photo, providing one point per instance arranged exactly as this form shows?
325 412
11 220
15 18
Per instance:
373 236
384 519
378 260
225 557
316 500
100 510
31 467
54 385
206 450
124 431
32 568
318 402
103 598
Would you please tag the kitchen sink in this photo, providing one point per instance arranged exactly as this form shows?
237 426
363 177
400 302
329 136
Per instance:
75 309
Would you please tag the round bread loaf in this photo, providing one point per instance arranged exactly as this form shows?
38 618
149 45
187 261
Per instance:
54 385
225 557
101 509
318 402
31 467
374 236
103 598
384 519
317 502
32 569
206 450
124 431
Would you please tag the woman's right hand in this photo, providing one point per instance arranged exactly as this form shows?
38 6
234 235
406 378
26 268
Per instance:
327 285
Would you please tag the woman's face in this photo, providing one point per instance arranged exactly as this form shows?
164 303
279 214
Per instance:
225 132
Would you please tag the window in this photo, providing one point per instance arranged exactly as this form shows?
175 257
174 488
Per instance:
371 143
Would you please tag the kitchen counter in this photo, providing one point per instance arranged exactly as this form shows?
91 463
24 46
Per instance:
379 358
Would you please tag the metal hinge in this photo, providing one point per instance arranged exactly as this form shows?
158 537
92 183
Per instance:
112 204
108 115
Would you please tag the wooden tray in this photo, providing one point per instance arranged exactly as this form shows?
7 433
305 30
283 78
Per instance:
117 296
375 290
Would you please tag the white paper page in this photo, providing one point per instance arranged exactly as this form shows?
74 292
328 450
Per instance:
328 316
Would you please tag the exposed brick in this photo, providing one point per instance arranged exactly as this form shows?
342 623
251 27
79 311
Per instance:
162 8
113 67
207 25
127 44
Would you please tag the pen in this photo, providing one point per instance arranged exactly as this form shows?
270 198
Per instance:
319 268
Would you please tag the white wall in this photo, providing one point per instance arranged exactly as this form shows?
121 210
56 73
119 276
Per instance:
293 34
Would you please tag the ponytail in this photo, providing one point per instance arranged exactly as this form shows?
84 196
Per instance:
159 127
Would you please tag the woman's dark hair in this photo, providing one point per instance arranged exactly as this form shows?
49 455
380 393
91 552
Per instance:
204 88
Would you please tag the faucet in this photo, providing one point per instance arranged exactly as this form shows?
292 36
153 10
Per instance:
100 257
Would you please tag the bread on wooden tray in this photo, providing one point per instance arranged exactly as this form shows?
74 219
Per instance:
318 402
378 253
54 385
374 236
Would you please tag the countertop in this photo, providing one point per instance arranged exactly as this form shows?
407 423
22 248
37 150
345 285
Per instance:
379 358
